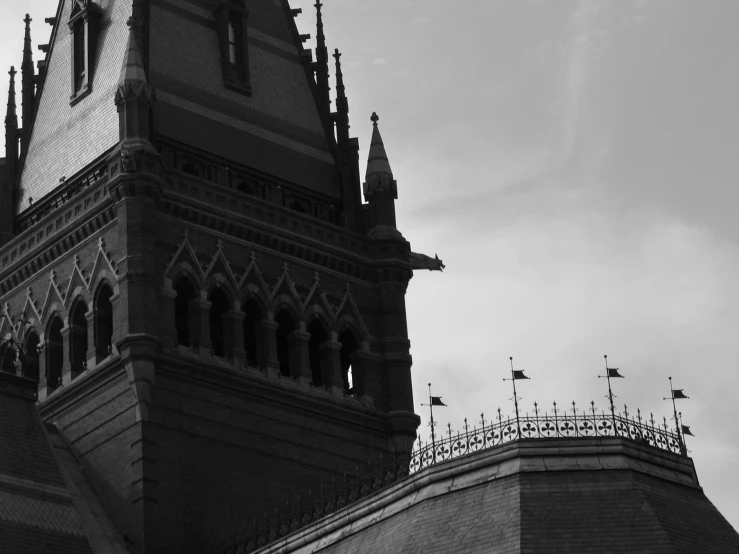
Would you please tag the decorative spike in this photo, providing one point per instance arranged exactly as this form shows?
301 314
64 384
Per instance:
27 52
379 175
28 85
322 75
133 76
11 116
342 106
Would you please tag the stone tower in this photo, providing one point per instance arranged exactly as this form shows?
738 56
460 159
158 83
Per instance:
215 320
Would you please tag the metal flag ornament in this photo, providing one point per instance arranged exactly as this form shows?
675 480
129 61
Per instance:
433 401
677 394
515 375
611 372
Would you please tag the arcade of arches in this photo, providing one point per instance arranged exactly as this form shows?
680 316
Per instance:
241 333
66 351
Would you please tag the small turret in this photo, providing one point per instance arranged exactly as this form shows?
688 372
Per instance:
380 188
134 99
28 84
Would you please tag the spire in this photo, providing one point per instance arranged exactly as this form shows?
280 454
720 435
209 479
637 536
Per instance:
28 85
27 52
342 104
380 189
11 117
133 76
378 166
134 98
321 65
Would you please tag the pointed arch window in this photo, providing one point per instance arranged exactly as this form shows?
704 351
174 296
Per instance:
285 327
252 319
231 18
104 323
78 339
54 354
31 356
318 336
185 312
347 361
219 306
83 26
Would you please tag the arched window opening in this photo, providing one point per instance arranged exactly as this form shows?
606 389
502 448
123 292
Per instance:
182 310
252 318
349 345
104 323
78 338
9 355
286 325
318 336
219 305
191 169
54 354
30 359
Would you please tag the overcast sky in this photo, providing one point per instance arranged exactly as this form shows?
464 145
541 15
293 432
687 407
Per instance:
575 163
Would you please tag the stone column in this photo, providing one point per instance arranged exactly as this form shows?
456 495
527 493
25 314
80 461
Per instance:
115 332
331 367
67 350
201 340
267 339
91 354
234 326
167 330
42 365
299 362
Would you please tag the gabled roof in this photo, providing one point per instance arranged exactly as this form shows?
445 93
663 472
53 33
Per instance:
46 502
277 129
65 139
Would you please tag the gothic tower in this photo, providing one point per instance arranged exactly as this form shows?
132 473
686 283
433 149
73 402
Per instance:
215 320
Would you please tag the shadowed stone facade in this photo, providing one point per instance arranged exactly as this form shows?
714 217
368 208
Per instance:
200 319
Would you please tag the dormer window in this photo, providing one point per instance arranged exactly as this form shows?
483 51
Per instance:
78 57
231 17
83 24
233 42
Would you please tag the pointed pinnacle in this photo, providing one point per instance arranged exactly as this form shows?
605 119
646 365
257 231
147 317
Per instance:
27 64
133 68
377 162
11 115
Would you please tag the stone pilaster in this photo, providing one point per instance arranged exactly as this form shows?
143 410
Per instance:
42 369
91 354
202 338
267 337
67 351
167 330
234 326
299 358
333 381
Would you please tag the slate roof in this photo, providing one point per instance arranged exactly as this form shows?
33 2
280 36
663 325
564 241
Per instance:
276 129
548 495
46 502
266 130
65 139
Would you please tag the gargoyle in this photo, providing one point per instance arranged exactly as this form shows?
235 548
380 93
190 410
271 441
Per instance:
422 261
